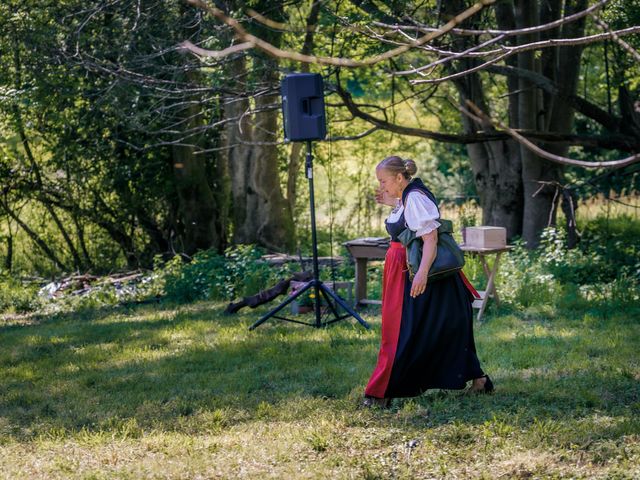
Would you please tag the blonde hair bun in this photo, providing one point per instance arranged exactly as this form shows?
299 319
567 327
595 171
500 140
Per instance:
411 167
396 165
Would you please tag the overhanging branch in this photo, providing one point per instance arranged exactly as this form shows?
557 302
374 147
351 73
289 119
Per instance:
481 117
270 49
619 142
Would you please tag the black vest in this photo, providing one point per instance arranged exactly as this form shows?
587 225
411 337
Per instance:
394 229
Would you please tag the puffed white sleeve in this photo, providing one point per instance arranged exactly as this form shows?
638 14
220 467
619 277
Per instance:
421 214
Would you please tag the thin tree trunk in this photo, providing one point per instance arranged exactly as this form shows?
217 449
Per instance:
538 198
117 232
237 133
34 237
196 202
81 240
8 260
270 216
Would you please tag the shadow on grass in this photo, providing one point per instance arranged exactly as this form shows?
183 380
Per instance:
190 369
92 369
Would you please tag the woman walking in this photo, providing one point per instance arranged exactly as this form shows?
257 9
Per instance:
427 327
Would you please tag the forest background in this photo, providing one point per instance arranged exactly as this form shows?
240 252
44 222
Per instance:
144 175
134 132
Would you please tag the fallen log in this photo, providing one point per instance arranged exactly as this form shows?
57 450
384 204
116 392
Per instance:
267 295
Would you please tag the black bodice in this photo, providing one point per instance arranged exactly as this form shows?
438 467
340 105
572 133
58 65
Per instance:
394 229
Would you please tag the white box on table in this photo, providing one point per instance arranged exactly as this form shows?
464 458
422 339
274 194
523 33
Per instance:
485 237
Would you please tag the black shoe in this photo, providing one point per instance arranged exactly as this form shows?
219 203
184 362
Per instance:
488 385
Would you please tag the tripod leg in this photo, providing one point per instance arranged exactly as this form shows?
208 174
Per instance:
329 301
286 302
349 310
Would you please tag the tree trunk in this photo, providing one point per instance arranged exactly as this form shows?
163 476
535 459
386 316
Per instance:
496 165
538 199
197 212
496 168
261 213
8 260
81 239
196 208
541 178
269 215
237 133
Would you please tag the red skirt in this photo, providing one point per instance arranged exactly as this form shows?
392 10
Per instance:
427 341
393 278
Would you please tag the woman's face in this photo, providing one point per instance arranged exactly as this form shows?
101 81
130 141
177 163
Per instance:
391 184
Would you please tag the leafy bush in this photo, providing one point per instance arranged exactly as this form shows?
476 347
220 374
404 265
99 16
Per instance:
209 275
604 269
525 280
16 296
614 244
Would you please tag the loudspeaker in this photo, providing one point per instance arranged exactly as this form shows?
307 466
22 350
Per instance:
303 107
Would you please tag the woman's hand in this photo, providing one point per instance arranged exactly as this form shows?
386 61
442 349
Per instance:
429 250
419 284
384 198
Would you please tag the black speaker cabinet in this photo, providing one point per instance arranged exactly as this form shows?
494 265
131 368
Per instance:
303 107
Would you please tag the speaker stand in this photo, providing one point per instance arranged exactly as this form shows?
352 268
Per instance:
318 287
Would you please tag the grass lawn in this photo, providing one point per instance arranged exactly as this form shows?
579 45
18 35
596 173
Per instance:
185 392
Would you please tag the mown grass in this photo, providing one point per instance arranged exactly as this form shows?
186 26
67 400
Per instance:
185 392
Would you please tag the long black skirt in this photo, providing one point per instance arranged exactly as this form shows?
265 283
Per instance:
427 341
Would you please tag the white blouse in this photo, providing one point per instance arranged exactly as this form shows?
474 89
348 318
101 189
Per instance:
420 215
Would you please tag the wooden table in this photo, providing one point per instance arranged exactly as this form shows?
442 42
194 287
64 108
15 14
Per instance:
491 273
362 250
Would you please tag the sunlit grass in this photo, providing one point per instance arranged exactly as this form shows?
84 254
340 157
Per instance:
185 392
600 206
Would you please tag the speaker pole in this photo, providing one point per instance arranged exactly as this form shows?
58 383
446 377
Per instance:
314 237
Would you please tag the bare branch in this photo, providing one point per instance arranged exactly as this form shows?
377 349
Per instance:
586 108
202 52
608 141
604 26
554 42
508 33
354 137
266 47
463 73
452 57
472 52
483 117
276 25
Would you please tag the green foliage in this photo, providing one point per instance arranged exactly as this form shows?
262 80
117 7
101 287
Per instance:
616 244
605 267
16 296
524 280
209 275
